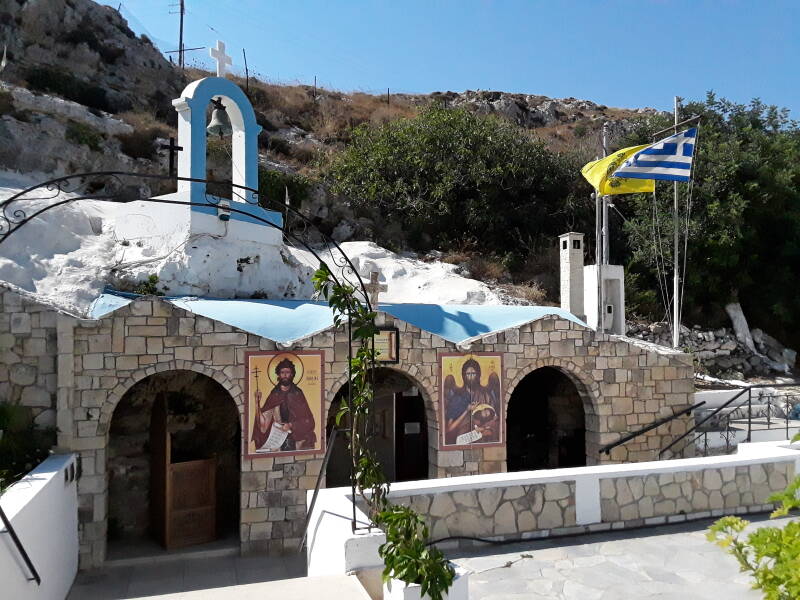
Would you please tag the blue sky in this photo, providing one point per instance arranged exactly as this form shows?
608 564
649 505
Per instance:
620 53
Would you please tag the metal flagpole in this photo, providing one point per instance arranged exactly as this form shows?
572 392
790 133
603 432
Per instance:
603 245
676 324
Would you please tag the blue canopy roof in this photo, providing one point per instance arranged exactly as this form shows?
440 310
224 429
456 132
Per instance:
289 320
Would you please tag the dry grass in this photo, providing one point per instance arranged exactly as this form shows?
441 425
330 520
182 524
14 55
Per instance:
328 114
531 292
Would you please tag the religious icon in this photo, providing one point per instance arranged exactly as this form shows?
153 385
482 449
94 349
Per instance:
284 403
471 400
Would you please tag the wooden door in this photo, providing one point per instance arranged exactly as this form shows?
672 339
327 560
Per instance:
183 499
191 503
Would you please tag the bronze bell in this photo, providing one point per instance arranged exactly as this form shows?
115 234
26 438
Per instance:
220 121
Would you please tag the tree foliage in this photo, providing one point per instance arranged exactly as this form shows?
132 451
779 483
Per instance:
745 219
770 554
448 175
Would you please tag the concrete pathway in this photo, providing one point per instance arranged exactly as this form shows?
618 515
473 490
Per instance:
219 577
672 562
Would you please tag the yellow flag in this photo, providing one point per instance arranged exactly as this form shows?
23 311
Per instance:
598 173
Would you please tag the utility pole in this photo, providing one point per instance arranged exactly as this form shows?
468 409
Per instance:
180 35
179 51
676 325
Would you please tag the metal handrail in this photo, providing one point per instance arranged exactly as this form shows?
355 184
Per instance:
627 438
717 410
20 548
322 470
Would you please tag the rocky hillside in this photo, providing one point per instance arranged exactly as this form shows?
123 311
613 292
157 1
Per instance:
719 353
85 52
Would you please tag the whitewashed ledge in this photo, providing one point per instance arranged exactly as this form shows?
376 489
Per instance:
534 504
43 510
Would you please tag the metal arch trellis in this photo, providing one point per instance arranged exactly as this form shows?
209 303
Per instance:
121 187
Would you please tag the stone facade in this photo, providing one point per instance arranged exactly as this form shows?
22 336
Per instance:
88 365
28 356
666 494
496 512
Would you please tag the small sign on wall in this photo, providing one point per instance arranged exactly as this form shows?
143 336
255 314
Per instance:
387 344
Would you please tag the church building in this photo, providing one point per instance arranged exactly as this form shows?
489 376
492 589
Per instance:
203 418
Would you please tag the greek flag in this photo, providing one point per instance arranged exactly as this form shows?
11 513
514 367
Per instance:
670 159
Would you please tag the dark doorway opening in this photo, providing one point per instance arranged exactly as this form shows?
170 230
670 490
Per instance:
174 454
545 424
399 431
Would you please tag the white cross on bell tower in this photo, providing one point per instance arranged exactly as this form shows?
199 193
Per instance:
218 54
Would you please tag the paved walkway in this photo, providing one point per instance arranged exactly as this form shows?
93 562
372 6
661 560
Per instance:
173 579
672 562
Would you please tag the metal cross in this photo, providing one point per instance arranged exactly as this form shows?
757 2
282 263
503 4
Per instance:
173 152
374 288
218 54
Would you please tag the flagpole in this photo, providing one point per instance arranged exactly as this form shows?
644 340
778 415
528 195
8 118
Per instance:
602 258
676 325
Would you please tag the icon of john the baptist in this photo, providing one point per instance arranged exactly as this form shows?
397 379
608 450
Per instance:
287 408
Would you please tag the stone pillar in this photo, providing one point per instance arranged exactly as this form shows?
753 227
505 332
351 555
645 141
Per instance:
65 344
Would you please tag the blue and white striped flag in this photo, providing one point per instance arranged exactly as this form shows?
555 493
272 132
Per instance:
670 159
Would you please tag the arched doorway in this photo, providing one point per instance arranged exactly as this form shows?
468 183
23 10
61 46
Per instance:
399 431
545 422
173 463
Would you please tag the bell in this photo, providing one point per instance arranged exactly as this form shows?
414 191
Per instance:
220 121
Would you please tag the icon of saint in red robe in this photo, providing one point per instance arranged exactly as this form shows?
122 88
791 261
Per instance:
284 422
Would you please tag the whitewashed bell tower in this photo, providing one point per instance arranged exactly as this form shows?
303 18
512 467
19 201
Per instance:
238 219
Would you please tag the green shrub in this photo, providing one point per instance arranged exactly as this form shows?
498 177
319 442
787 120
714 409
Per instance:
7 108
141 143
272 186
79 133
770 554
66 85
449 175
148 287
22 445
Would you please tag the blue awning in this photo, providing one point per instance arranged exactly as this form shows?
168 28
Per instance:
286 321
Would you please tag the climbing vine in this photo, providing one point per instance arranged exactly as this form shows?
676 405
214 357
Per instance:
407 553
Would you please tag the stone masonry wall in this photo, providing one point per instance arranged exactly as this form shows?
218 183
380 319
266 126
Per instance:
623 384
148 337
28 356
496 512
654 498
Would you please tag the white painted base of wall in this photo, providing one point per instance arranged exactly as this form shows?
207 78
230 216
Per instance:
333 547
398 590
43 510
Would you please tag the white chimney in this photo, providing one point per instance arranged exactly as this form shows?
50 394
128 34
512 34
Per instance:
571 259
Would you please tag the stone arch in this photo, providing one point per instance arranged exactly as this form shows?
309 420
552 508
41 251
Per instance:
428 393
413 375
191 107
588 389
107 410
209 425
